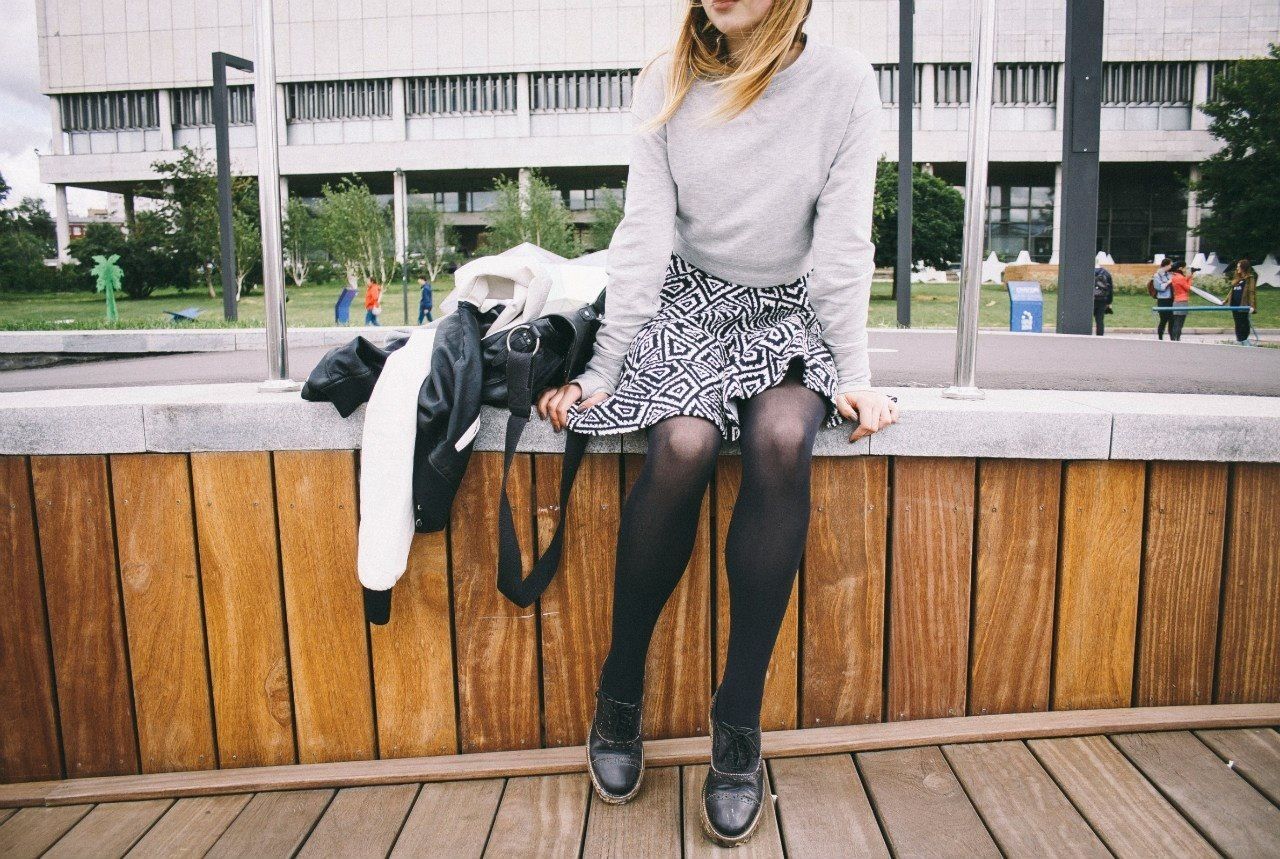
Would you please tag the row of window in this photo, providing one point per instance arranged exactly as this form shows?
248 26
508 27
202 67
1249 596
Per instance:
1022 84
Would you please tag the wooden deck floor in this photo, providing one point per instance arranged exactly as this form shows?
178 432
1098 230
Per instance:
1164 793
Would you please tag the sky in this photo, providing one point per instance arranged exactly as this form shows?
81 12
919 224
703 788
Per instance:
24 112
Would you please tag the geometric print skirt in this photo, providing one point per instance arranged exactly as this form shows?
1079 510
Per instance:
711 343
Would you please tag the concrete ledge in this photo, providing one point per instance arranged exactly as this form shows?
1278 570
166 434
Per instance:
171 340
1006 424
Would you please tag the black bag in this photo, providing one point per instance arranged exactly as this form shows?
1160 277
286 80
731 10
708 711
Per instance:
520 362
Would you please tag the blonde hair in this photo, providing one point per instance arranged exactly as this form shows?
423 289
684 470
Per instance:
701 52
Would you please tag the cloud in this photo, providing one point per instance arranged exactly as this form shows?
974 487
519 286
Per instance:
25 128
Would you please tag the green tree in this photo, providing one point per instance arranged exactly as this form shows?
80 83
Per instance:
433 241
541 218
246 227
301 240
937 218
1240 183
189 207
26 241
608 216
355 230
145 254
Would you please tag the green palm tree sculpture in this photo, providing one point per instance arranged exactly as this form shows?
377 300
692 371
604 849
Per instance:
109 276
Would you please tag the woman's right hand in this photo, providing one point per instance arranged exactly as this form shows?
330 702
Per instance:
554 403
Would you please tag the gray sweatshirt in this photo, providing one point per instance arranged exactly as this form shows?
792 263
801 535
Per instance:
783 187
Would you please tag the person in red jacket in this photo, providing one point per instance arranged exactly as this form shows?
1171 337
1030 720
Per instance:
372 302
1180 284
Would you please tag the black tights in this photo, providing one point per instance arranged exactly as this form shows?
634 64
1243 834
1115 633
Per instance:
763 546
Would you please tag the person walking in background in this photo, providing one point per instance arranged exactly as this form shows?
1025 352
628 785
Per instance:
1180 286
424 301
1103 290
372 302
342 307
1163 295
1244 293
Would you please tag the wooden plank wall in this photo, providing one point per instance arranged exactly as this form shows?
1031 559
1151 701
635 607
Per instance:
174 612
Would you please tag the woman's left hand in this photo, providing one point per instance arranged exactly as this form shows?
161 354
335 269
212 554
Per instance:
872 410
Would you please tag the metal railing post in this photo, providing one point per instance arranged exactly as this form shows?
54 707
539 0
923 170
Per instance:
981 80
906 172
266 120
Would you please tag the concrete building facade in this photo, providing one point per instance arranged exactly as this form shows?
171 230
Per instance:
430 100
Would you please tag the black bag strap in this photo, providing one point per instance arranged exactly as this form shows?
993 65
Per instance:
511 579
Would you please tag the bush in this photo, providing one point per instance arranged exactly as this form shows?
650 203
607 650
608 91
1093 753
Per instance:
148 264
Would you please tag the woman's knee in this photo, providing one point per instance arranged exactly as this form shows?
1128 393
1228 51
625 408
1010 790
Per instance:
785 438
685 443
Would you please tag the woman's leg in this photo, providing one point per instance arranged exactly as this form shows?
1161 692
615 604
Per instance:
655 540
766 535
1164 321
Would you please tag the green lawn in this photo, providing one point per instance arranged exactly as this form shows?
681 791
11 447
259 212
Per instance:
933 306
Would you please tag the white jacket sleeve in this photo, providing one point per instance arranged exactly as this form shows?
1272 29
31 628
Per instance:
843 253
642 242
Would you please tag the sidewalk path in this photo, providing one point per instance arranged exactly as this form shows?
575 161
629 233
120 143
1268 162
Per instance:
899 358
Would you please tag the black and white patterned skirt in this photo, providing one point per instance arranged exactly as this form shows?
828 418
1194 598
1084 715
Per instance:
711 343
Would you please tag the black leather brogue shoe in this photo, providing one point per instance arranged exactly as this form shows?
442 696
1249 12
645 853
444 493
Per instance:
615 754
733 792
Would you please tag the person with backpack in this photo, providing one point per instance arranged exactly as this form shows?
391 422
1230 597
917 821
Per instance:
1103 289
1180 287
1159 289
735 310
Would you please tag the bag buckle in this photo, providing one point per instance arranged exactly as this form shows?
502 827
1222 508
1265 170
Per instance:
524 329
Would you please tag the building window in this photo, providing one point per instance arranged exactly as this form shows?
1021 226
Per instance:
324 100
608 89
111 111
887 77
1020 218
1147 84
592 198
481 201
1142 211
951 84
1026 84
1219 71
193 108
457 94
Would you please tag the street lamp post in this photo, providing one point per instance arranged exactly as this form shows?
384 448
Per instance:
222 150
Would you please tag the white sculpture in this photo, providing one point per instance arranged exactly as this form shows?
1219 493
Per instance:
993 269
1268 271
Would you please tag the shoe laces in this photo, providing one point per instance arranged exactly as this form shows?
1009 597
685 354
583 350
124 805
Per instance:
617 721
740 749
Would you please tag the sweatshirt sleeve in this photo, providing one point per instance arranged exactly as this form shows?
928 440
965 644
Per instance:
642 242
843 253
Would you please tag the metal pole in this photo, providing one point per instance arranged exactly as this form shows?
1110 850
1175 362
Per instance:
1082 119
906 119
981 79
266 119
222 150
400 210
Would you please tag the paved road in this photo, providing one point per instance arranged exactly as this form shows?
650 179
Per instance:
898 358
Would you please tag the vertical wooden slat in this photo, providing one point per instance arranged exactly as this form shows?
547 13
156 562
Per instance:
575 608
328 648
77 548
495 641
413 659
1098 584
933 511
151 495
778 710
844 582
244 609
1249 647
1017 561
1181 582
29 741
678 671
